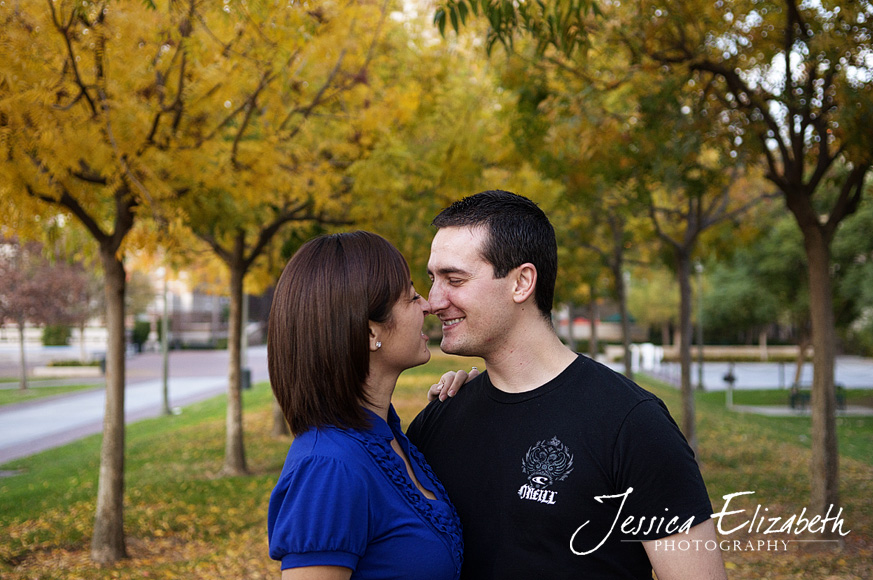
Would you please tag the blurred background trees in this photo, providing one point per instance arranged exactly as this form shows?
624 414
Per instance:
216 138
786 85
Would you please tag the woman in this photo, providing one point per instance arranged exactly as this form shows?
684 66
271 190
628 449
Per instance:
355 498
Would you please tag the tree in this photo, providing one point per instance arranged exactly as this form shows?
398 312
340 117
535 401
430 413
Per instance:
443 136
744 304
575 131
35 290
653 299
688 190
88 304
787 83
853 252
298 119
762 280
791 84
70 122
221 115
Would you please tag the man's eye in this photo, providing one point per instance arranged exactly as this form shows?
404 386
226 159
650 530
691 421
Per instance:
455 281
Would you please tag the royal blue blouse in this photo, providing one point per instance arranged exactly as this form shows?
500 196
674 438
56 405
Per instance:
345 499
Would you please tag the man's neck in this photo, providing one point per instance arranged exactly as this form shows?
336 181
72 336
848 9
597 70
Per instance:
530 362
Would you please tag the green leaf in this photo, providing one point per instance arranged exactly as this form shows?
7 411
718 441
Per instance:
439 18
463 11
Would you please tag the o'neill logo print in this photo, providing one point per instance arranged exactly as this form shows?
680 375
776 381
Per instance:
545 463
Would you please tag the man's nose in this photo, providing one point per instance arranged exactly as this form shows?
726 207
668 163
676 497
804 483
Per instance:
436 298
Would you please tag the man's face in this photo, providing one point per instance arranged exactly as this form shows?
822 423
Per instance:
475 308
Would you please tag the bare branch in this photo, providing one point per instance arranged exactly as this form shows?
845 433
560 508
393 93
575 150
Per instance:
296 212
65 32
316 100
252 103
848 200
68 201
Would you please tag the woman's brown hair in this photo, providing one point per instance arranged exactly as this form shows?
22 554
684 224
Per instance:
318 339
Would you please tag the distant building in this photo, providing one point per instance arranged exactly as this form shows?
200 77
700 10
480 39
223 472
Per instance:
608 329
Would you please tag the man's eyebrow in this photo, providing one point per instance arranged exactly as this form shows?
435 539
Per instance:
445 271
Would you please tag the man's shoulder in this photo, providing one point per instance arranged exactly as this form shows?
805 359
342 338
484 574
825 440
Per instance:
610 382
438 411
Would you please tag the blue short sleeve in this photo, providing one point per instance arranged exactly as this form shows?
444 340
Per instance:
318 515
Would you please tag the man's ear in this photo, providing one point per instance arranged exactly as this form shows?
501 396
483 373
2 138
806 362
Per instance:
525 282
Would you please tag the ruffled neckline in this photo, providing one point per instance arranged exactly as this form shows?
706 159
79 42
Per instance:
377 441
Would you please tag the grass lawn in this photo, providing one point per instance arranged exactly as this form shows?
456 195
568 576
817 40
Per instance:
771 456
184 521
780 397
16 395
855 433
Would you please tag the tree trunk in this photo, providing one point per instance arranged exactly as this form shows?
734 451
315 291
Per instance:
280 425
571 338
83 351
234 450
216 320
686 332
802 347
593 345
107 544
762 343
621 291
165 346
22 378
616 264
824 468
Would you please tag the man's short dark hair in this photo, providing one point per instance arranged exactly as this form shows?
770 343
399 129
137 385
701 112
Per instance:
518 232
318 351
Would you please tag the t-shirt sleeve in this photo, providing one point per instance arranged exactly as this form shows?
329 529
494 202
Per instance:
319 515
652 457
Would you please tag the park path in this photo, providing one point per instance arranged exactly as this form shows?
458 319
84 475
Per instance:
33 426
850 371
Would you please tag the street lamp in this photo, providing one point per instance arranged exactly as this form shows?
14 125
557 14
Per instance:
165 351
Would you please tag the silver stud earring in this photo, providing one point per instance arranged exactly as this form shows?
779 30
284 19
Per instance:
378 345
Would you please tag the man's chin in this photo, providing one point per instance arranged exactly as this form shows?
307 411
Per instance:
453 348
446 347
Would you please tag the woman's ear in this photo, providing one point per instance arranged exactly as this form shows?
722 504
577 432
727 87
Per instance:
375 330
525 282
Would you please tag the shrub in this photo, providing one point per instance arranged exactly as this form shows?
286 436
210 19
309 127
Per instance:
56 335
141 330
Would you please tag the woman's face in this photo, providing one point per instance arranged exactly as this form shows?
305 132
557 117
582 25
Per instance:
404 345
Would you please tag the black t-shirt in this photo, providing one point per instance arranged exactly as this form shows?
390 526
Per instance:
528 473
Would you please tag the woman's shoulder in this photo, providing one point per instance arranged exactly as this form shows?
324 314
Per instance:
326 443
322 454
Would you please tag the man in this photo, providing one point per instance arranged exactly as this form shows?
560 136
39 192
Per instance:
558 466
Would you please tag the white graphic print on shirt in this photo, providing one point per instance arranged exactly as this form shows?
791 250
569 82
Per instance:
545 463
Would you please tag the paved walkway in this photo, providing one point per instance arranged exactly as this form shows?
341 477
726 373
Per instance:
786 411
850 371
33 426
